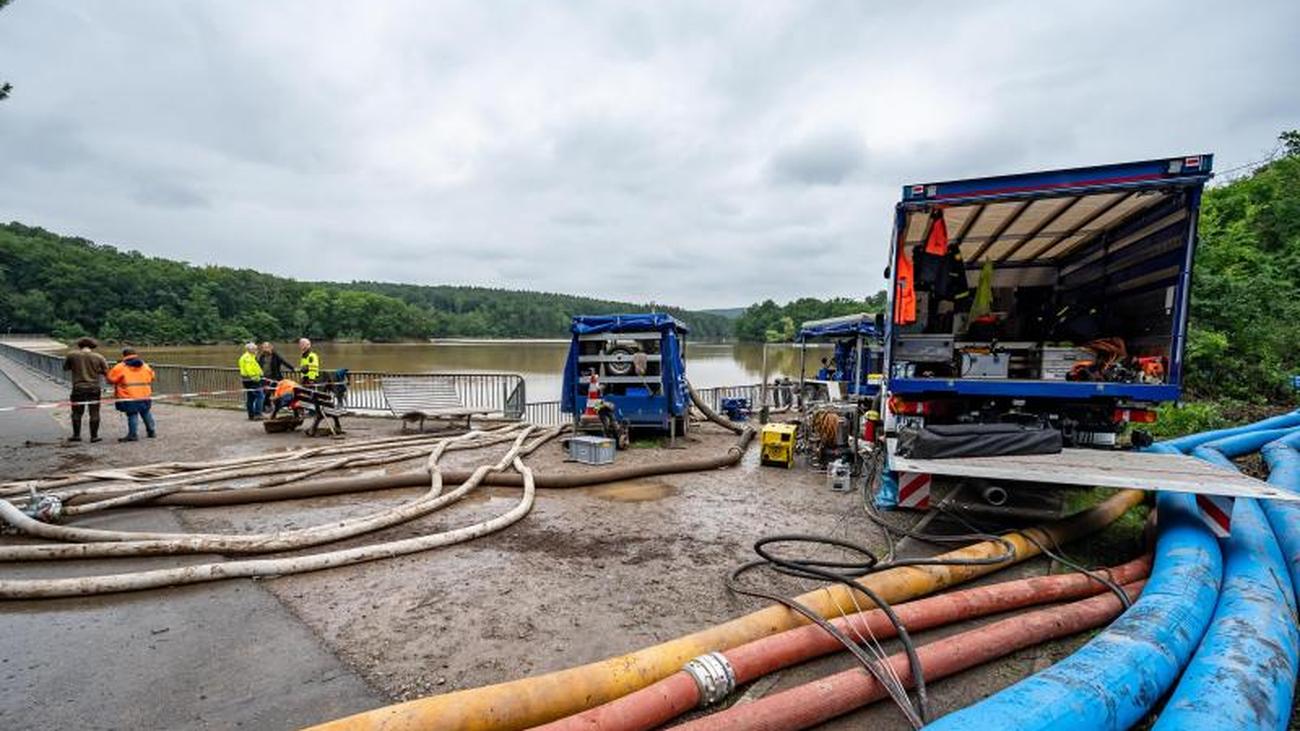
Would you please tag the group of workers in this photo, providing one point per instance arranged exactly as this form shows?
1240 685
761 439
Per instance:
132 381
262 370
263 374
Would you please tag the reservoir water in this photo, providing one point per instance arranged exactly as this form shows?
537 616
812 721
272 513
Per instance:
539 362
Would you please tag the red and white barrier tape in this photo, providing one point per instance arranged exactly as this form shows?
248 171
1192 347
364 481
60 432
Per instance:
155 397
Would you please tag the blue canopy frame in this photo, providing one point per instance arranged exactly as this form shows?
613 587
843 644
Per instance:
859 328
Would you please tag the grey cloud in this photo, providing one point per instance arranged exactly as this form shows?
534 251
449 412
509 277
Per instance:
699 153
827 159
169 194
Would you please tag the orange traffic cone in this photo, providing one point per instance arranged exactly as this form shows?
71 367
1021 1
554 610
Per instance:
593 400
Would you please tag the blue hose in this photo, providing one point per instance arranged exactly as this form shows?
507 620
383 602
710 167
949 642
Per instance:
1192 441
1243 674
1117 678
1284 471
1112 681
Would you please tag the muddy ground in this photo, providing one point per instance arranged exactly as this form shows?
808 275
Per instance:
590 573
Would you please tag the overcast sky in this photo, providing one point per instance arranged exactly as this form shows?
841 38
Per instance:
705 154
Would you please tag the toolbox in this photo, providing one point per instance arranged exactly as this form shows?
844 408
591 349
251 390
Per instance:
776 445
591 449
1057 363
977 364
924 348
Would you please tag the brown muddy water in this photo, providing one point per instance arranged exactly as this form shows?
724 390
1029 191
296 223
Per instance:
540 362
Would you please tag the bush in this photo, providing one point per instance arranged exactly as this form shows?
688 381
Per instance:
1175 420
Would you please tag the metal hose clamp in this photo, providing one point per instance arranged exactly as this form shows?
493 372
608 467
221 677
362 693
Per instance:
714 677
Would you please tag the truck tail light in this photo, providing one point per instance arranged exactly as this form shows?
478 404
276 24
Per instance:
1135 416
908 408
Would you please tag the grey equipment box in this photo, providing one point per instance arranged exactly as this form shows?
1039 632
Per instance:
984 365
591 450
924 348
1057 363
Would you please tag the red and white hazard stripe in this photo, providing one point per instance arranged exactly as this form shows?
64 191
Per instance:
593 399
1216 511
914 490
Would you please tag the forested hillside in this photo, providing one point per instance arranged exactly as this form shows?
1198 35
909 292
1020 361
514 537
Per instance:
72 287
1245 314
768 321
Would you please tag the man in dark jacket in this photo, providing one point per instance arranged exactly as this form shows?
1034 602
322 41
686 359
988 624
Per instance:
273 369
85 367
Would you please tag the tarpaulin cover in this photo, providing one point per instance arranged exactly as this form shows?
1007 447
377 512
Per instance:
850 326
977 440
670 349
638 322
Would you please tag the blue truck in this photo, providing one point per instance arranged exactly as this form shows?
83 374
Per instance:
1056 298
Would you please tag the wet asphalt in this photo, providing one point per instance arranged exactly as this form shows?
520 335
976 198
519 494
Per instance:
213 656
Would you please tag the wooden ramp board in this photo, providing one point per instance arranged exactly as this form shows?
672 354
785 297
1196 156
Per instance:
1096 467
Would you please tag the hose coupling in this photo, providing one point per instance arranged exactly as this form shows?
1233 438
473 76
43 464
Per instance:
713 675
42 507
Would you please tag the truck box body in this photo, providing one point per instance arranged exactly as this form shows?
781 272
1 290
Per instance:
1078 256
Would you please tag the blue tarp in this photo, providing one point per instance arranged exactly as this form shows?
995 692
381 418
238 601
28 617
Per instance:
838 328
639 322
670 348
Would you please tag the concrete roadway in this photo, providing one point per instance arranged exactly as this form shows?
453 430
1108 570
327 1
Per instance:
212 656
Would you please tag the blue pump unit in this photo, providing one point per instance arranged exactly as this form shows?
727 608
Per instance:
640 364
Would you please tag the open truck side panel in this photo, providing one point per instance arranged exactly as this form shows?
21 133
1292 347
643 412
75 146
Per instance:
1078 257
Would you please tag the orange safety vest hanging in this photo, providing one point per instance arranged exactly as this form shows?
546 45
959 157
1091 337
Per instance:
937 242
904 290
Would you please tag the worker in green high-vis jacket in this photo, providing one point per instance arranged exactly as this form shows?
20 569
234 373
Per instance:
250 375
309 363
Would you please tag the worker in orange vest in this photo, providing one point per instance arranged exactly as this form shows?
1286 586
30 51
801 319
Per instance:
132 381
282 397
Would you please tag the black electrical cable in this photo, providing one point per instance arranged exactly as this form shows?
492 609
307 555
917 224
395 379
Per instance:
849 571
845 572
1058 555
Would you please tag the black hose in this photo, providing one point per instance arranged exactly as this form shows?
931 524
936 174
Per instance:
841 572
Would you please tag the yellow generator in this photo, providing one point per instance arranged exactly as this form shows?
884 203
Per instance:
777 445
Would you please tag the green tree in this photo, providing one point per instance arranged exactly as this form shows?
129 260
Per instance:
200 314
32 311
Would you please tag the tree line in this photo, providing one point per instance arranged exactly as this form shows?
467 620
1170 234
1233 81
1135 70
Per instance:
71 287
767 321
1245 308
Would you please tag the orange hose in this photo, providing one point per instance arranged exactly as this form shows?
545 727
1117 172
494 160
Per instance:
519 704
821 700
661 702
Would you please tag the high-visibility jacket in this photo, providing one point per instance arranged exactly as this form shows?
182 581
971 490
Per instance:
131 380
249 368
937 242
309 365
283 387
904 290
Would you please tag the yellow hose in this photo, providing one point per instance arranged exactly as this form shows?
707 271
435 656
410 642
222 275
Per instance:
527 702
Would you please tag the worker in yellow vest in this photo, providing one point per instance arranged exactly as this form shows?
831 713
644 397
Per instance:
309 363
250 374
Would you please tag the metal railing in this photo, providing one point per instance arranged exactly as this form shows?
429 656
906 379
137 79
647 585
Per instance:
504 394
547 413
